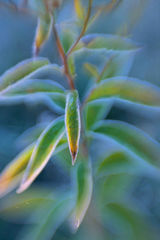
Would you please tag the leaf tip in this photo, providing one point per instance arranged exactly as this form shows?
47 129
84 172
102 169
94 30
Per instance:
24 185
36 50
75 225
74 156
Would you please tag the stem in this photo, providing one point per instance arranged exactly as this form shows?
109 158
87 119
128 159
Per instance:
64 58
83 29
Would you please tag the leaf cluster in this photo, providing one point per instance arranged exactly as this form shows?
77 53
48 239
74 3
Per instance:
95 67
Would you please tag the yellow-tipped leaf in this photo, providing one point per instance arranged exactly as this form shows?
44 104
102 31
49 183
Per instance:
11 175
79 9
42 32
42 152
72 121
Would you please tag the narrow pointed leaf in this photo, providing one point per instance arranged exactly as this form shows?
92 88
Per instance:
132 139
31 86
21 70
42 32
42 152
12 174
133 90
32 134
72 122
79 9
83 192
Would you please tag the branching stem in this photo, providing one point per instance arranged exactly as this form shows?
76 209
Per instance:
64 58
83 29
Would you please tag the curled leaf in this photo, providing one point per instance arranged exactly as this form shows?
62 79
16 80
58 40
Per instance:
83 192
42 152
72 121
21 70
11 175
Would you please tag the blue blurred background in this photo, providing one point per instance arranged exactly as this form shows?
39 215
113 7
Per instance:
138 19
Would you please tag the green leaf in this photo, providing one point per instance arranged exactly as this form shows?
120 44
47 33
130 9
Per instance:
108 41
50 71
50 222
31 86
95 111
32 134
67 38
131 139
71 65
119 162
27 206
83 192
21 70
119 64
105 188
46 91
72 122
99 58
42 33
42 152
12 174
129 89
57 101
128 221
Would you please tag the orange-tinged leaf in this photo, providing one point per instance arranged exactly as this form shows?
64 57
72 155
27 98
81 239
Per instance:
42 32
79 9
72 121
11 175
42 152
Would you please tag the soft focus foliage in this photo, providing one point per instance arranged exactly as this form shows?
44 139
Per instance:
99 157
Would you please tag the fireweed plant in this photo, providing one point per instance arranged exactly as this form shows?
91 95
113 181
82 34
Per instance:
93 76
